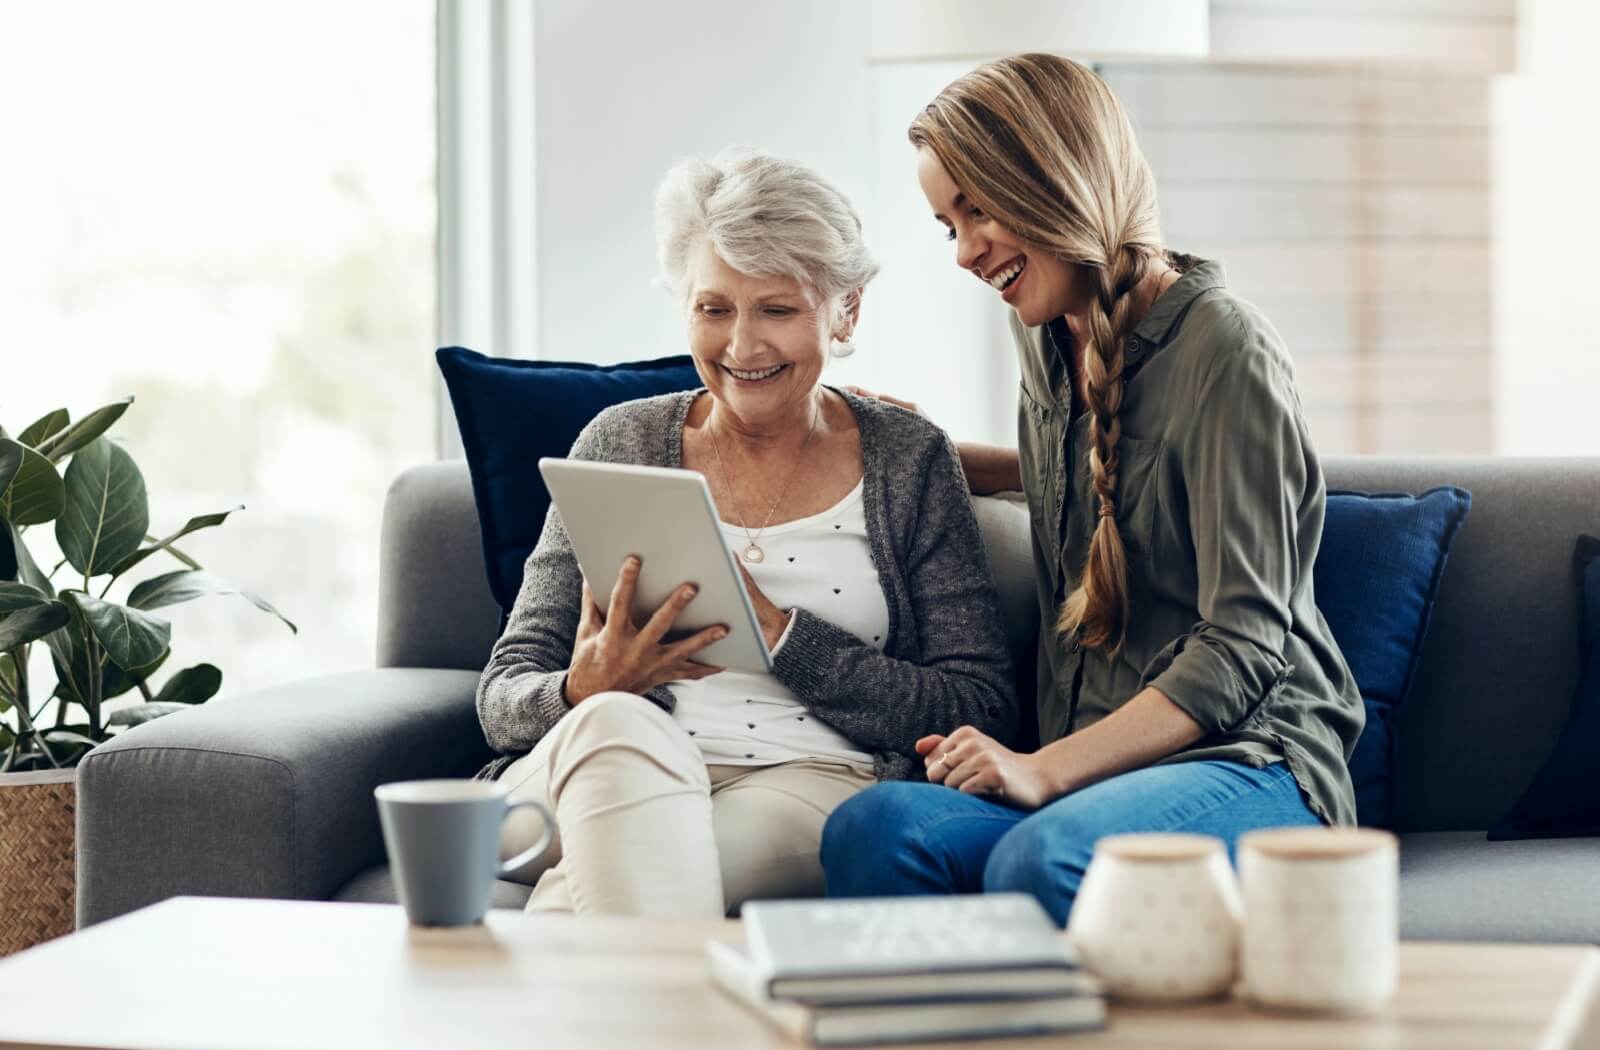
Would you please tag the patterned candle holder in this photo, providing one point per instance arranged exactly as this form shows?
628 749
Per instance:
1158 916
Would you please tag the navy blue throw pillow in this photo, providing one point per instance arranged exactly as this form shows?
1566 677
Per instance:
1377 574
511 413
1564 799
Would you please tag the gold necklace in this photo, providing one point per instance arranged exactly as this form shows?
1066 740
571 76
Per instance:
753 552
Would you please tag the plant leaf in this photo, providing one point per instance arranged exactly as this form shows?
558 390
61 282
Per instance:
131 638
71 666
44 428
28 571
14 596
10 461
84 431
138 714
31 624
186 585
107 510
68 736
114 681
33 493
8 554
192 685
204 521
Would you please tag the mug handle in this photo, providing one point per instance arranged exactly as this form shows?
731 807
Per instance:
537 848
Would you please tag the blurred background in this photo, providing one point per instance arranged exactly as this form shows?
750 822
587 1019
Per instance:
260 220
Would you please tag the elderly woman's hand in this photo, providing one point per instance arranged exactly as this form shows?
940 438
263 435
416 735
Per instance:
611 654
969 761
774 621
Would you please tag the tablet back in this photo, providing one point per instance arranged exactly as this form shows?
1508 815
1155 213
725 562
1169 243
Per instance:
667 518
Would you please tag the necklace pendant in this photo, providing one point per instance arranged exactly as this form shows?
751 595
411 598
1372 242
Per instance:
754 554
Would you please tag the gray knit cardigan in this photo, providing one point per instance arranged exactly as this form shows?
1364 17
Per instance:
944 663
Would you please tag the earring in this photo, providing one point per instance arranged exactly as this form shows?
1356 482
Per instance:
843 348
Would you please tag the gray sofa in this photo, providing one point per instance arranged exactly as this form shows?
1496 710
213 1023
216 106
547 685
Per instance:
270 794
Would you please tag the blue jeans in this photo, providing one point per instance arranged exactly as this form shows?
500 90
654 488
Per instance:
906 838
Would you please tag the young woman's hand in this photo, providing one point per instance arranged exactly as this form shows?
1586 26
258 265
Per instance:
610 653
774 621
971 762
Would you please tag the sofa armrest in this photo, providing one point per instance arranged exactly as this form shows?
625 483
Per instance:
267 794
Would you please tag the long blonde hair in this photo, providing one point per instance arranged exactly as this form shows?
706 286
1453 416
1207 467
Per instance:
1042 146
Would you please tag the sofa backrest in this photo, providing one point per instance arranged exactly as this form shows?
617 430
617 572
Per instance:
1500 662
1492 688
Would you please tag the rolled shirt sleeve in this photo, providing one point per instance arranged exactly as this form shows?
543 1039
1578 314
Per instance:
1245 463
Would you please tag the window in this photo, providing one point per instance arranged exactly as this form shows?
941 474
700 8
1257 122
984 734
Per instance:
227 211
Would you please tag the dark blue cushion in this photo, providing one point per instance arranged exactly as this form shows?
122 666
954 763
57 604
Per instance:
1564 799
1377 575
511 413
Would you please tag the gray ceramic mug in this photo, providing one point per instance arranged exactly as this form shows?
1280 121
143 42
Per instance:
443 838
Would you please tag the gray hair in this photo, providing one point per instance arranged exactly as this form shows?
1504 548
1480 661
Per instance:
765 217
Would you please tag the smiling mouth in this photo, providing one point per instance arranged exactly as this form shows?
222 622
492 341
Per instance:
1006 276
757 376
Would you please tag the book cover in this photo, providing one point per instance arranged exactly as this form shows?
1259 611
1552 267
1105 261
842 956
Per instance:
883 936
860 1025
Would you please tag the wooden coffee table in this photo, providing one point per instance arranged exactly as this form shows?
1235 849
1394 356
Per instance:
222 974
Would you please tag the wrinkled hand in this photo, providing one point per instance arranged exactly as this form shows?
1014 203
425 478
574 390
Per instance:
909 406
969 761
611 653
773 620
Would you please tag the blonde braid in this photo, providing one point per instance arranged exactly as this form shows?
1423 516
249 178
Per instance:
1098 609
1042 146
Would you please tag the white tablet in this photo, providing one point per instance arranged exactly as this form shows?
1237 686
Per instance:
667 518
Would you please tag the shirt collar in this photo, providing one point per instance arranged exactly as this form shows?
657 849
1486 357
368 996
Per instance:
1199 276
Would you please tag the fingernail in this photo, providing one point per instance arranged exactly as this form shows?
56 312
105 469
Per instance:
690 591
633 561
719 633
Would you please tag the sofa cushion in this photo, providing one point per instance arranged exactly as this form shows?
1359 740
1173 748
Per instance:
1564 798
512 412
1377 575
1454 886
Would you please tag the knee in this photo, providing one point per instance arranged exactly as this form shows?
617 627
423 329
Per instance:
611 717
626 722
875 821
1046 859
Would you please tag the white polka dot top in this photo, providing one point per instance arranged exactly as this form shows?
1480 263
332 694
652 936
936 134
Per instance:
822 564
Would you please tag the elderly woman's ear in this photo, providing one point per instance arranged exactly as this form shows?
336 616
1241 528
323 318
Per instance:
849 315
845 326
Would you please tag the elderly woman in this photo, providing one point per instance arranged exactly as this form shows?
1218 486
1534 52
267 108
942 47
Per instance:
683 790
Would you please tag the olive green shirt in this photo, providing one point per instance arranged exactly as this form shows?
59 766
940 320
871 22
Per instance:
1220 503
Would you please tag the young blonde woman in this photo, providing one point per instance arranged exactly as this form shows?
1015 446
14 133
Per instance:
1186 680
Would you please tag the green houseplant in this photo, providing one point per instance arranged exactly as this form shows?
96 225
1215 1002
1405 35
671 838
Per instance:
99 649
69 476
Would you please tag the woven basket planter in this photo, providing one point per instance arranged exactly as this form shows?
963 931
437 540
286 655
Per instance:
37 876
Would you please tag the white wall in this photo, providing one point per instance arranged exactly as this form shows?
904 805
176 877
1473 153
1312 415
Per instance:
625 89
1352 204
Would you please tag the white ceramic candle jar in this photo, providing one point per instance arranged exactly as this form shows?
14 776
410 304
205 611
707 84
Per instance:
1322 917
1157 917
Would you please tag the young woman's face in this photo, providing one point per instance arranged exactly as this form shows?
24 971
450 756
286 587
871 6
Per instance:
1034 283
759 343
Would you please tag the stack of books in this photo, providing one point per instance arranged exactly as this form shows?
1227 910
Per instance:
904 969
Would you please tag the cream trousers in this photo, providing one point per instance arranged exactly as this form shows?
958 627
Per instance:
645 827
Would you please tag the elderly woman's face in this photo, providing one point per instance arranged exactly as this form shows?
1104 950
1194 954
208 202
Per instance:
759 343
